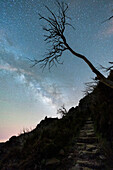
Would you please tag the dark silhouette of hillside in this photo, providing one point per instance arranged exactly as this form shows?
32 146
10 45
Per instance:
51 145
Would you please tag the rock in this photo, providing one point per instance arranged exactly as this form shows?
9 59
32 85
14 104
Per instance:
52 161
12 138
61 152
76 167
69 157
102 157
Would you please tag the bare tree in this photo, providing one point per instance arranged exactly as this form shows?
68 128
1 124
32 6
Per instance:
56 25
62 111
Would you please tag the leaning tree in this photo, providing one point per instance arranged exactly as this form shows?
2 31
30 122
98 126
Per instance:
56 25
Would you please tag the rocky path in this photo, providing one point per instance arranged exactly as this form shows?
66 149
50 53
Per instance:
89 156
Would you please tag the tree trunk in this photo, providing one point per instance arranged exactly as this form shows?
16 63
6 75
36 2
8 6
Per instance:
100 76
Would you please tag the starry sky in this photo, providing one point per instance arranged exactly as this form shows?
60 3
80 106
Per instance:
27 94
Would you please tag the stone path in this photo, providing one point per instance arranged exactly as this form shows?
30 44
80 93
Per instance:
89 156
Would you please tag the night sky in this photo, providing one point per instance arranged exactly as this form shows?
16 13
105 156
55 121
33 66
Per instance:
27 94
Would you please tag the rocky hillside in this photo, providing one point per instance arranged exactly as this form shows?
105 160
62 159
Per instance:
51 145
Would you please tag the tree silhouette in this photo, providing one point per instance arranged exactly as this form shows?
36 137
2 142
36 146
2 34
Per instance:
108 19
56 25
111 67
62 111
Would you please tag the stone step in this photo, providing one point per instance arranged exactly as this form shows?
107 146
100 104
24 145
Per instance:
88 154
91 147
89 126
89 134
85 168
77 167
80 144
87 140
89 122
89 164
87 147
89 118
87 130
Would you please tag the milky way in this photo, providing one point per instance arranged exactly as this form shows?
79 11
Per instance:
27 94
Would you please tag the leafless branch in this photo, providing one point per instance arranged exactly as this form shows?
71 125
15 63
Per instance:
107 19
90 86
34 61
106 69
110 62
62 111
55 28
